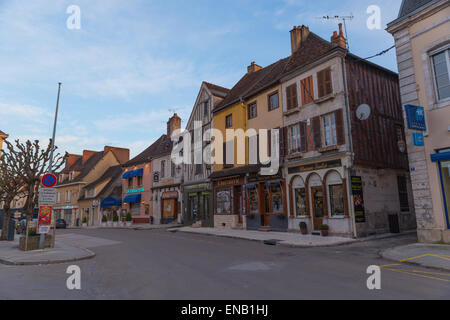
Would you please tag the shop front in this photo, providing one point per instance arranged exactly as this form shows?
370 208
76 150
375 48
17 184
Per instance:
132 204
229 208
265 203
198 204
318 194
108 206
169 207
442 160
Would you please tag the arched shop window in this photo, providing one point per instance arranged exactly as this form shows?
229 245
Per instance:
336 194
253 202
299 194
224 202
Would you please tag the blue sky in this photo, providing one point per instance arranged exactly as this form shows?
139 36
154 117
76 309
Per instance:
133 63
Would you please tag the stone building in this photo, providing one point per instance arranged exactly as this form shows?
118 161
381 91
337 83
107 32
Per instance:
422 39
3 136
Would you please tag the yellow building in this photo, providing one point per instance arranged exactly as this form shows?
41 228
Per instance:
242 197
3 136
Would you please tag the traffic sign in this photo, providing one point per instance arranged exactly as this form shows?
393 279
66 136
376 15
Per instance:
44 229
47 196
49 180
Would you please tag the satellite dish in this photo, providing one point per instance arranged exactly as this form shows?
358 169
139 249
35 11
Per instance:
363 112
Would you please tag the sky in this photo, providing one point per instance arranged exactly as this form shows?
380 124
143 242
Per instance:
132 64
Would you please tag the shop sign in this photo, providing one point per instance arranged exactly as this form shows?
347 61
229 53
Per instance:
135 190
230 182
254 177
418 139
45 215
415 117
358 199
170 195
316 166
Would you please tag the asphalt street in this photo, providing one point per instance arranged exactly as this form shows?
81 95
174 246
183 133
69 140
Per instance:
157 264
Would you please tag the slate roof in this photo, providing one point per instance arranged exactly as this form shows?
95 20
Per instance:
161 147
409 6
216 90
113 173
252 83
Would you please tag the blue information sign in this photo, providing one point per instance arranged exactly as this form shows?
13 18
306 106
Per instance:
415 117
418 139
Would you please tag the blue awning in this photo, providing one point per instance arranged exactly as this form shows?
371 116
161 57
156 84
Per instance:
127 175
268 184
444 156
111 202
138 173
250 186
132 198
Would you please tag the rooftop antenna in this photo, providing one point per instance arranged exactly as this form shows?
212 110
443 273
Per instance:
343 19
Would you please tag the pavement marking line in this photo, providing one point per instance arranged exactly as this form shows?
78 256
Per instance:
435 273
426 255
417 275
390 265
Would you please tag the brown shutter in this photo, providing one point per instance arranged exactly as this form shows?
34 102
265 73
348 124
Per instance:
328 82
283 142
291 96
269 142
307 90
288 98
321 83
303 137
317 136
294 96
340 132
224 154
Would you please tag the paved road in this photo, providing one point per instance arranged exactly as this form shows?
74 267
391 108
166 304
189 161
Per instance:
156 264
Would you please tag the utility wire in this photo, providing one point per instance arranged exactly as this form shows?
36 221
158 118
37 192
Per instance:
379 54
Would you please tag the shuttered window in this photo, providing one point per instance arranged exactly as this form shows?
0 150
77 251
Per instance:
324 82
307 90
291 97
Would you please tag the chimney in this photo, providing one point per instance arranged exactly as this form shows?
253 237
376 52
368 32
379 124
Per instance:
87 154
253 67
298 37
71 159
122 154
339 39
173 124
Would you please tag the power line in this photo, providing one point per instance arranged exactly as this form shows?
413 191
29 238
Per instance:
379 54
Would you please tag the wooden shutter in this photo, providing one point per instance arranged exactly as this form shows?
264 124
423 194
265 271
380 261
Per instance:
340 132
317 136
321 83
224 154
303 137
269 143
307 90
328 82
324 82
291 96
283 141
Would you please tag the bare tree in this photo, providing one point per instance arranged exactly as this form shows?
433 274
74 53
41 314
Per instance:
32 163
10 187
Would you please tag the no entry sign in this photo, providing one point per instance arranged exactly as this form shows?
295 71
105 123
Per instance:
48 180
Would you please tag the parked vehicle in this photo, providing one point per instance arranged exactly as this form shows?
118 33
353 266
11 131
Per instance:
61 224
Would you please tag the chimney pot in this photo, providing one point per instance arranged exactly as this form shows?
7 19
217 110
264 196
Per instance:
253 67
298 36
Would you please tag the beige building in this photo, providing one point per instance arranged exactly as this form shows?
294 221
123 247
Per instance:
3 136
422 37
81 171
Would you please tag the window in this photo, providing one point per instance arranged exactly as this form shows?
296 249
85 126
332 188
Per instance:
300 201
253 200
198 169
294 146
68 196
274 101
130 183
336 200
206 108
403 193
163 168
291 97
223 199
329 125
229 121
252 111
172 169
277 200
324 82
307 90
139 181
441 66
58 197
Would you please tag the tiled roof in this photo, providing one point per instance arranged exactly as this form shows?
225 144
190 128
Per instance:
89 165
217 90
409 6
2 133
252 83
112 173
161 147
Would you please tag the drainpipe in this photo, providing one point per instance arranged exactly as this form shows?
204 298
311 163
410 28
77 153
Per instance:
350 140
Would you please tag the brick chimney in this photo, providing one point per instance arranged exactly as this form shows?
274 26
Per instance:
173 124
298 36
253 67
122 154
71 159
87 154
339 39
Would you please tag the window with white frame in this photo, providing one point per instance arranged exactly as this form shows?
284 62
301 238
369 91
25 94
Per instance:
329 126
441 67
295 138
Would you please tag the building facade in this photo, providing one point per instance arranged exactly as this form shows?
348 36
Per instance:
3 136
422 39
197 189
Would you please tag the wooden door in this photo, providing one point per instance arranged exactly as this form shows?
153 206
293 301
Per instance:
317 204
169 209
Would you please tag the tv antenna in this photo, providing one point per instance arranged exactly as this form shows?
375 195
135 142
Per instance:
343 19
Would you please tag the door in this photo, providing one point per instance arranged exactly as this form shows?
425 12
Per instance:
208 218
238 202
317 200
266 219
169 207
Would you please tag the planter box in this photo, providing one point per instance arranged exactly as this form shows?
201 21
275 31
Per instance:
253 222
129 223
104 224
279 224
33 243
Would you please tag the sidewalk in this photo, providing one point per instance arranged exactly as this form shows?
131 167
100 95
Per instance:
11 255
133 227
279 238
425 255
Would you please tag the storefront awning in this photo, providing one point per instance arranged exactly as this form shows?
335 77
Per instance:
127 175
111 202
132 198
444 156
133 173
268 184
250 186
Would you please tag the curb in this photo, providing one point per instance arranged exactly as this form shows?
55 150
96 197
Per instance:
386 255
90 255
